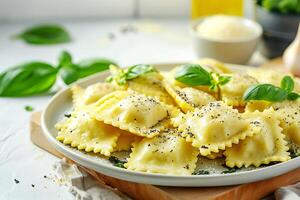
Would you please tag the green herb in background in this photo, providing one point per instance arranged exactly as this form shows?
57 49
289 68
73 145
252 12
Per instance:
44 35
117 162
281 6
29 108
38 77
27 79
121 76
195 75
271 93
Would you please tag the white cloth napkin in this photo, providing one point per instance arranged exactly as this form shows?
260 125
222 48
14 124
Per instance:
83 186
291 192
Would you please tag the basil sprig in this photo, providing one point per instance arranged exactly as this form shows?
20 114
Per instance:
38 77
271 93
45 34
121 76
71 72
195 75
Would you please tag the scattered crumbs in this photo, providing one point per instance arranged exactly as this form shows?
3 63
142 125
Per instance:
32 185
45 176
68 115
16 181
128 29
29 108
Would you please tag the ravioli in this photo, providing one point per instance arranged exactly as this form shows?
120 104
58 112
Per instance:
86 133
288 113
232 92
91 94
213 127
258 105
125 141
213 65
150 85
167 153
262 148
139 114
273 77
188 98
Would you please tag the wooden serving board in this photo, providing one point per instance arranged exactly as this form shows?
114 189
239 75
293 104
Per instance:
250 191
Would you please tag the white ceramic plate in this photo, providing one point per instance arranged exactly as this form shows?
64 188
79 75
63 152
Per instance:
61 103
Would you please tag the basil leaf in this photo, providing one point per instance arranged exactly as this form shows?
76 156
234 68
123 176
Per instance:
64 58
27 79
222 80
265 92
91 66
293 96
287 83
45 34
137 70
69 74
193 75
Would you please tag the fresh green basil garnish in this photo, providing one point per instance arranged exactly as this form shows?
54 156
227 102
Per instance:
121 76
27 79
71 72
94 65
269 92
193 75
38 77
287 83
45 34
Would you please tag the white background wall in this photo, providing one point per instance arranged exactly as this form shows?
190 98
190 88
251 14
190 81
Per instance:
87 9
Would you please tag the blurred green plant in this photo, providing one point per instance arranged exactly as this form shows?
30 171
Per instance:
45 34
281 6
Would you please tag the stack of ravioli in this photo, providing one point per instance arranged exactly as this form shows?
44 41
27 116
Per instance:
166 126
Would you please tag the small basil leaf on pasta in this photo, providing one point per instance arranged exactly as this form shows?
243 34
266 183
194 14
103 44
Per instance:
267 92
45 34
27 79
287 83
193 75
138 70
223 80
293 96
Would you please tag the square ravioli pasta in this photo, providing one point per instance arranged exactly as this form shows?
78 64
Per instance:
267 146
91 94
139 114
166 153
288 113
232 92
81 130
213 127
188 98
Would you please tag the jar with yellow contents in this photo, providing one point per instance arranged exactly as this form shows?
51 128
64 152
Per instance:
201 8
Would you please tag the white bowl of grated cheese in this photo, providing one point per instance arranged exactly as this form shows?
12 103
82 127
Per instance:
226 38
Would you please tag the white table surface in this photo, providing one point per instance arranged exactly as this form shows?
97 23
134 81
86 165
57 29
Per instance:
156 41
